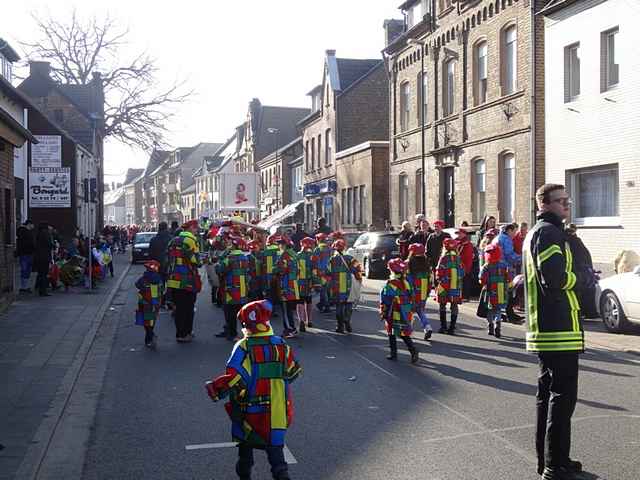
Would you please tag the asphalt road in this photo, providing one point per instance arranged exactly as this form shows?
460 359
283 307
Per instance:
466 411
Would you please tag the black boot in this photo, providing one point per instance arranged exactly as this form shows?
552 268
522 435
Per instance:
490 330
497 333
393 348
452 325
443 321
340 324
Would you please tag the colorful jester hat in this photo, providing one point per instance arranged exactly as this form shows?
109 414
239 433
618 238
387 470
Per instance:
492 254
255 316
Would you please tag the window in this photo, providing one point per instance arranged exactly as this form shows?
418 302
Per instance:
480 78
404 106
414 15
508 184
610 70
349 204
306 155
361 202
8 217
404 197
422 97
571 72
479 189
320 151
343 203
419 208
510 60
327 147
449 90
313 154
594 191
444 4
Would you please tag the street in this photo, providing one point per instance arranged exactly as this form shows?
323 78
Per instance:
466 411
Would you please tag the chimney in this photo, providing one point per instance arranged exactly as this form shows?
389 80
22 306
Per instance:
330 53
39 68
393 28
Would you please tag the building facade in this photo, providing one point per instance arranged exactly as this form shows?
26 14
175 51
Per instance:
276 179
460 110
591 105
349 107
188 203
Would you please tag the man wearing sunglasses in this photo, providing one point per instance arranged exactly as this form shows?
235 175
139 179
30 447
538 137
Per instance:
554 330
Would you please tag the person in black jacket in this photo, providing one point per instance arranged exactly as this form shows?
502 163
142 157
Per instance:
554 329
434 244
25 248
42 257
159 250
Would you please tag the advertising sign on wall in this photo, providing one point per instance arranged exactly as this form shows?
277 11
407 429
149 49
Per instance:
47 153
50 187
239 191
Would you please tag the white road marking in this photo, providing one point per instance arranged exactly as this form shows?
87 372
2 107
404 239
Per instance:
288 456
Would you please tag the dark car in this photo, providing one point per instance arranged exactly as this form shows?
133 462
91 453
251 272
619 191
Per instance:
373 250
140 249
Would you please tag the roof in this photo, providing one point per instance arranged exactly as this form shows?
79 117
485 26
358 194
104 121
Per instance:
284 148
285 119
350 70
189 189
156 159
8 52
133 174
113 196
407 4
14 125
555 5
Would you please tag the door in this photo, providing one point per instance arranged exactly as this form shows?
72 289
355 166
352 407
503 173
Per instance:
632 296
447 202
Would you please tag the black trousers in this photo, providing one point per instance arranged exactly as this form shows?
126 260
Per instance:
556 400
184 301
231 319
42 280
275 455
393 343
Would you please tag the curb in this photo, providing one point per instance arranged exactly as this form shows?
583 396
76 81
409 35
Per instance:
41 441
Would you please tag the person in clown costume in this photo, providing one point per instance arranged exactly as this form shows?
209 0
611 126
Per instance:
269 259
255 252
306 282
286 271
320 258
419 275
496 278
449 275
150 286
342 268
397 309
257 381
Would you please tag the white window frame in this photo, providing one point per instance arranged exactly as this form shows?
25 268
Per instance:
507 190
607 65
405 112
572 181
510 60
571 72
481 53
449 91
478 189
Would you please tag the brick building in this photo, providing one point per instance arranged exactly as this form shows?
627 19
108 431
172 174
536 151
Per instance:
12 137
150 201
133 196
591 78
349 107
78 110
460 103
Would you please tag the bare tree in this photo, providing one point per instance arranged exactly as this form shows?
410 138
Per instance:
136 110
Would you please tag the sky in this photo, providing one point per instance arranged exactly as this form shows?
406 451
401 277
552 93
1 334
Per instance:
227 51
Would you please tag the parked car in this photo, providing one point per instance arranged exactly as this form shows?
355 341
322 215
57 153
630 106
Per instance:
351 237
140 249
618 301
373 250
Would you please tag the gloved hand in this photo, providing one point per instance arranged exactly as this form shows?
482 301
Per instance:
590 278
211 391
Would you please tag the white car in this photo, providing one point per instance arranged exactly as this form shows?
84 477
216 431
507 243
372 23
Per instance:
618 300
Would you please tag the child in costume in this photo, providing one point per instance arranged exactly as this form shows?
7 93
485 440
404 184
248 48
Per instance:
150 286
342 268
397 309
255 286
286 271
305 281
496 278
321 256
419 275
449 275
269 259
257 379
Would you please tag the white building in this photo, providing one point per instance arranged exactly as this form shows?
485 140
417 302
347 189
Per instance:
114 207
592 103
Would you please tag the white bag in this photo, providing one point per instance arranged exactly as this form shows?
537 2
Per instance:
354 292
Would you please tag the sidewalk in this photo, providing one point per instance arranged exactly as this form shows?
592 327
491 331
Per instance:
40 339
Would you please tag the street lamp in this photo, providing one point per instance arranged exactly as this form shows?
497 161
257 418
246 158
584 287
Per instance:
413 41
275 131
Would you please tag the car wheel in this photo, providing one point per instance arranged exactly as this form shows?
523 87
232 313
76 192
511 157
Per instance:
612 314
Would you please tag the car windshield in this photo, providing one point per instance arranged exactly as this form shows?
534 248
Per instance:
386 241
351 238
144 237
